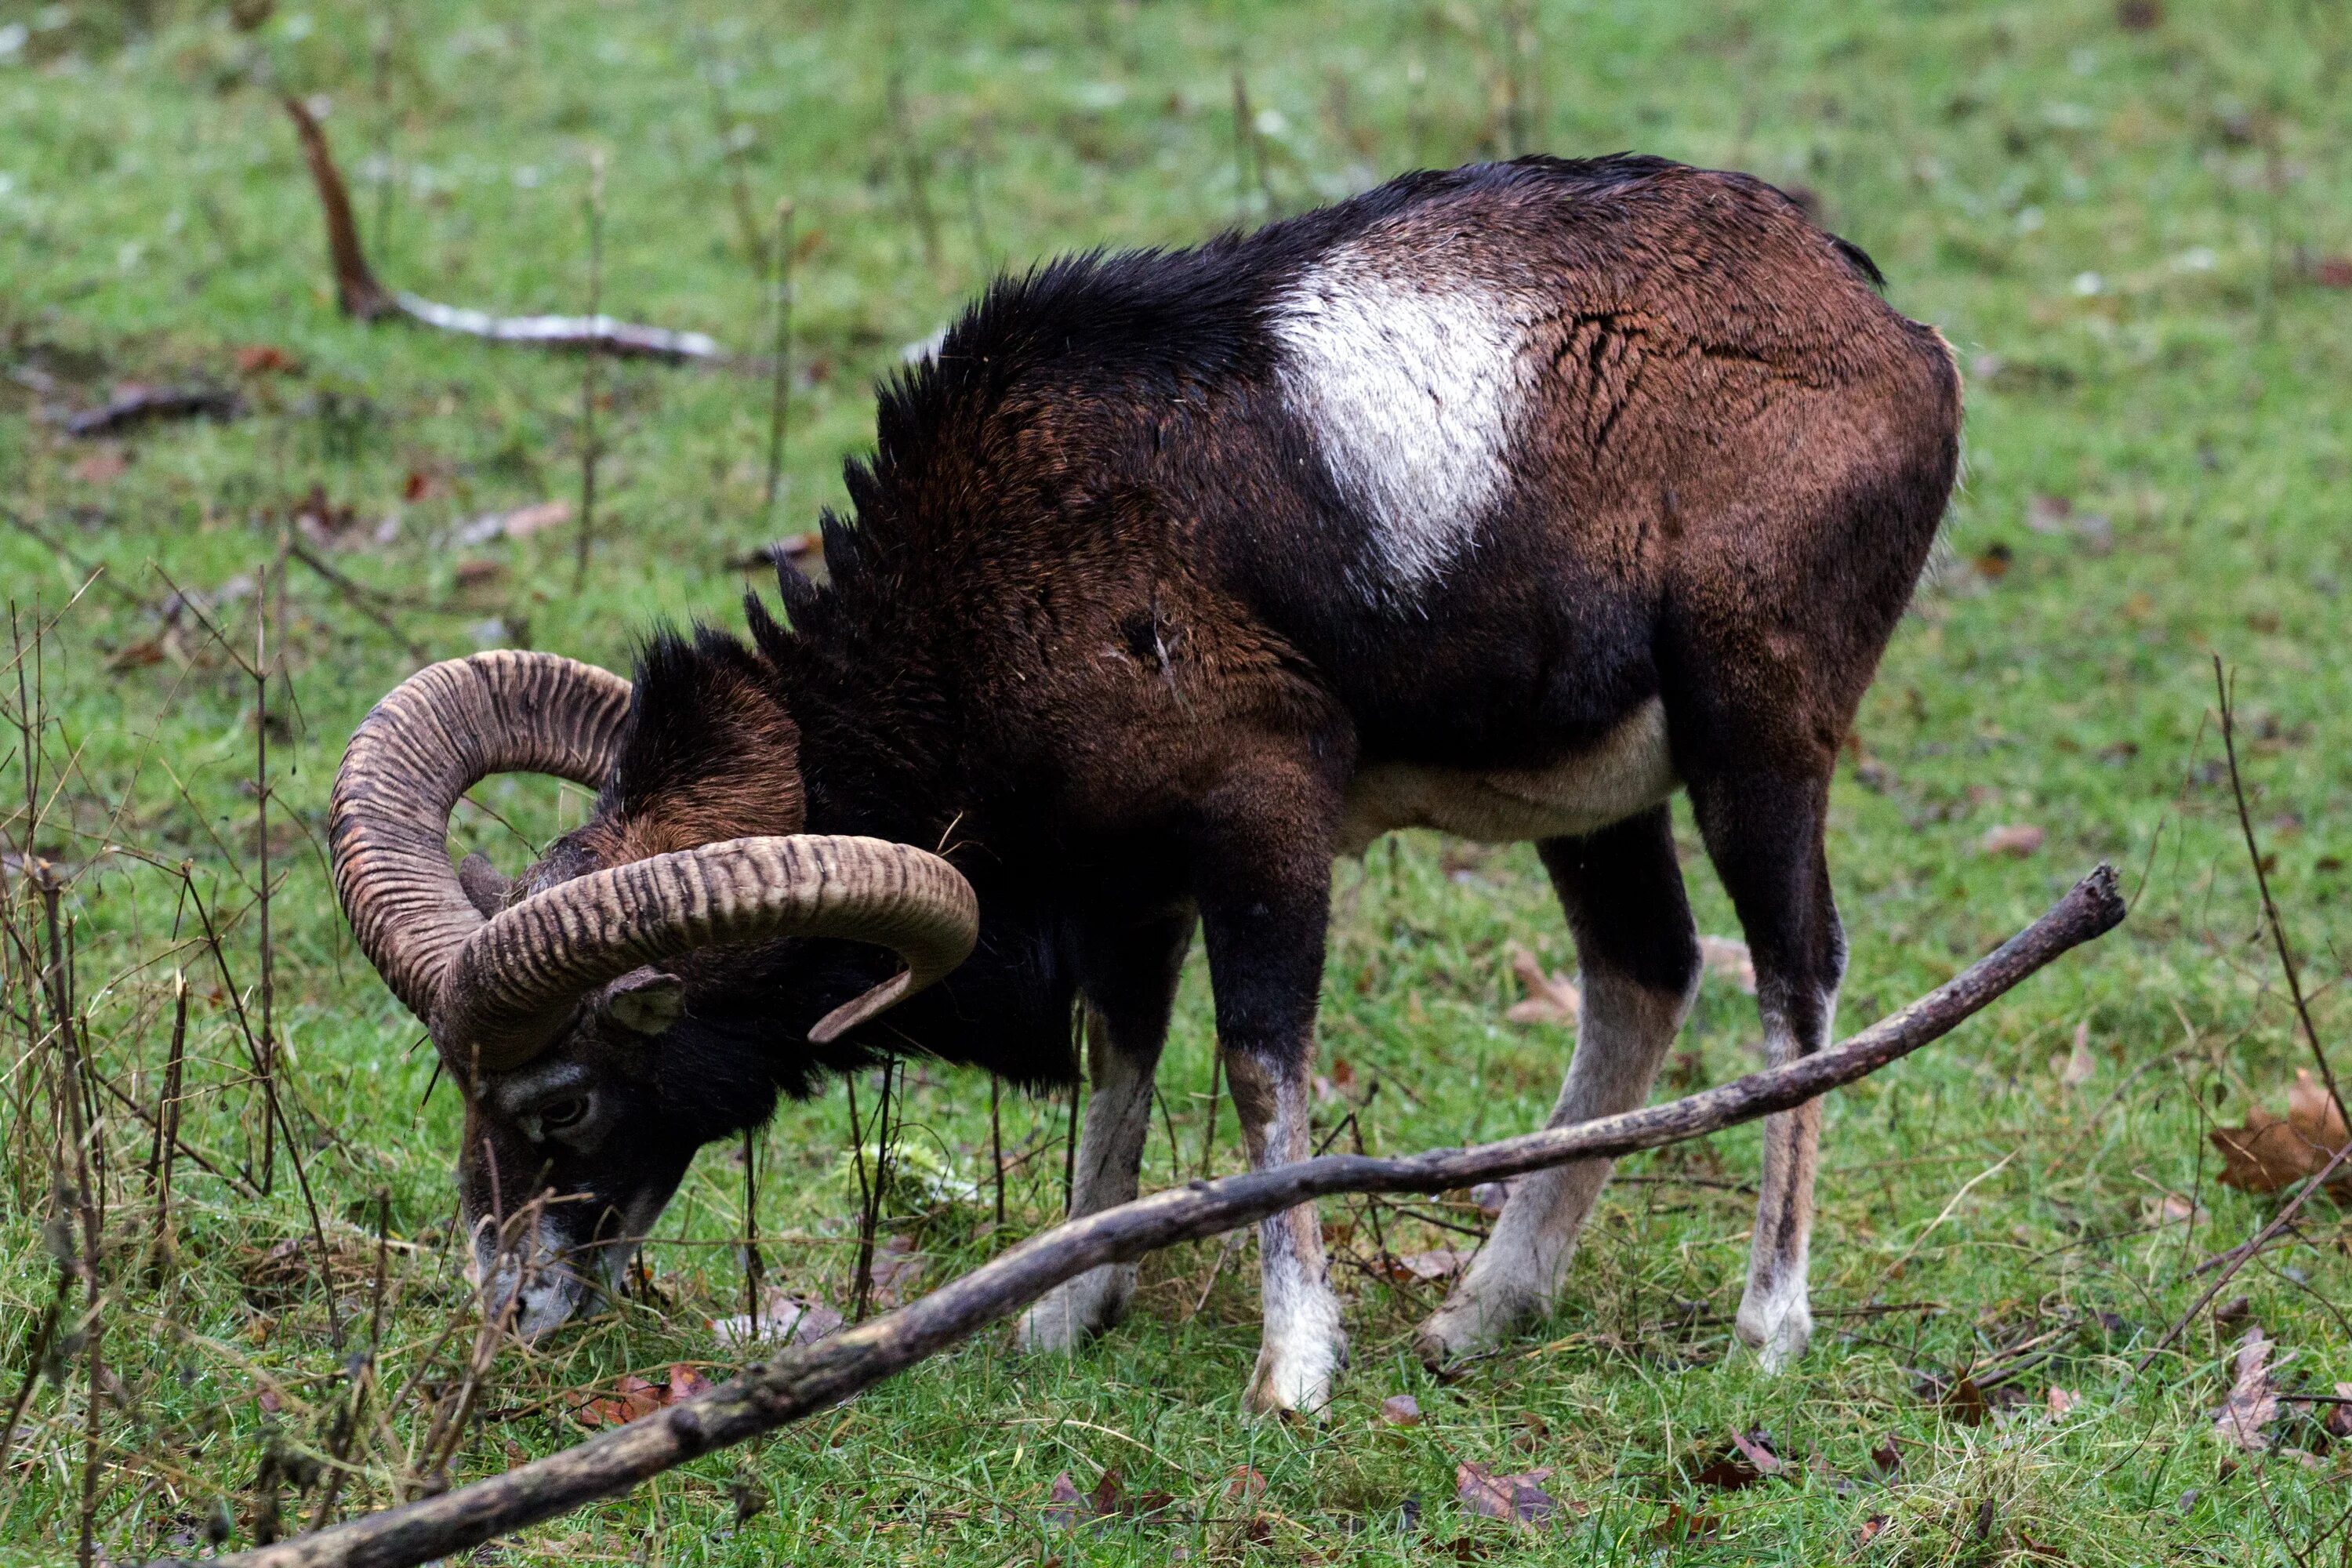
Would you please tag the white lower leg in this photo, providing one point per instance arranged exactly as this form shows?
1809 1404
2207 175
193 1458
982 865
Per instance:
1304 1347
1622 1034
1109 1159
1776 1318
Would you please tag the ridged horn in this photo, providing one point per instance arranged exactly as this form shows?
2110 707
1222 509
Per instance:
440 732
515 982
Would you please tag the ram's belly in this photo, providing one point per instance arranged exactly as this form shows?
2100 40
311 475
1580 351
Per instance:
1630 769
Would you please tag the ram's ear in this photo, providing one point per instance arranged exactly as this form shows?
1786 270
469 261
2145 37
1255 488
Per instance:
644 1000
486 889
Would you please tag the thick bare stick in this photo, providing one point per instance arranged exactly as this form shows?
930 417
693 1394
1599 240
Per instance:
359 293
821 1375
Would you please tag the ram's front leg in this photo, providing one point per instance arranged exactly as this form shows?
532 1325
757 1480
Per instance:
1127 971
1264 883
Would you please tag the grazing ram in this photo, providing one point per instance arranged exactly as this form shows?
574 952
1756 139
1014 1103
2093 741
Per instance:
1504 501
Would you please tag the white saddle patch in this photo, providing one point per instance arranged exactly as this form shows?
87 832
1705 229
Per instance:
1630 769
1413 387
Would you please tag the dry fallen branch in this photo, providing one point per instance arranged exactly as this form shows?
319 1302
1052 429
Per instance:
818 1376
360 295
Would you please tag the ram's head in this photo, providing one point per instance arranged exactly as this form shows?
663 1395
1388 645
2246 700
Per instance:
563 1004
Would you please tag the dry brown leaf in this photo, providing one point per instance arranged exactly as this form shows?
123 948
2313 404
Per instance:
2074 1069
1551 998
1401 1410
1244 1487
1870 1529
1428 1267
1681 1526
632 1398
1966 1402
266 359
1064 1503
2267 1153
479 574
101 467
2014 839
2339 1414
784 1319
524 522
1745 1461
2254 1401
1728 958
1519 1498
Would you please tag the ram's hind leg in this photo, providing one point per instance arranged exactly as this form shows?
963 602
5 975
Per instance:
1764 831
1130 984
1638 957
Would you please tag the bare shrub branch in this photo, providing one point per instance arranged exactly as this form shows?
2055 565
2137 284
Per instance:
818 1376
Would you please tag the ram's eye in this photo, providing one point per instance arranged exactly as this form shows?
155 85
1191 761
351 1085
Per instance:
565 1114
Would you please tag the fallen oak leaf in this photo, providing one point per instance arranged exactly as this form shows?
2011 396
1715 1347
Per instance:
1551 998
2267 1153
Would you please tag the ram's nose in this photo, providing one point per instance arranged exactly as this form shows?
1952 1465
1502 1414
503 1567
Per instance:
533 1288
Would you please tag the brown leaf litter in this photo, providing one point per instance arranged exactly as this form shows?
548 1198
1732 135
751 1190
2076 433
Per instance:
2253 1402
2267 1152
1516 1499
783 1319
1067 1508
1550 999
632 1397
1745 1461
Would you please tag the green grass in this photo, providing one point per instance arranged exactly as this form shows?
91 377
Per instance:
2119 229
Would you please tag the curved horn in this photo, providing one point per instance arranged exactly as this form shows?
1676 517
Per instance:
440 732
515 982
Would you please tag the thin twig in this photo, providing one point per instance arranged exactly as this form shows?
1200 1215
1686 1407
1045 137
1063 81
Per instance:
779 388
2246 1255
2269 905
359 596
593 359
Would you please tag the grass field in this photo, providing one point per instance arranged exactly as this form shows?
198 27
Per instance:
2133 224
